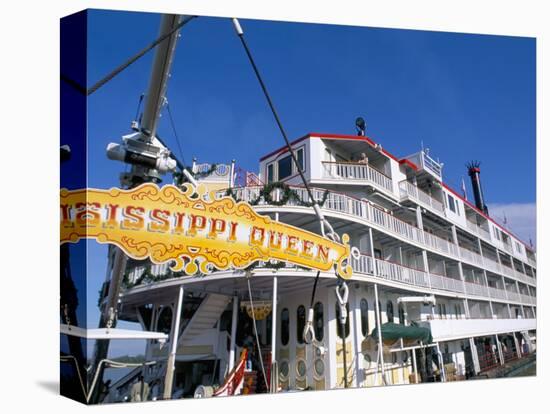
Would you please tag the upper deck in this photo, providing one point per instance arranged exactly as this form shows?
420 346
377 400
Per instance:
359 167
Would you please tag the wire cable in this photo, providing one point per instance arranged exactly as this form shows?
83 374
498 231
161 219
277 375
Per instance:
133 59
172 123
323 221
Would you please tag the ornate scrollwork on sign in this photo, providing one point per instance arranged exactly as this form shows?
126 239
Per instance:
193 230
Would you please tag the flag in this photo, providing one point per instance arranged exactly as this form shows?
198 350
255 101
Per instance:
464 189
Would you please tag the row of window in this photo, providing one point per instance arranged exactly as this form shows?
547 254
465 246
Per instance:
318 323
318 320
284 167
442 310
453 204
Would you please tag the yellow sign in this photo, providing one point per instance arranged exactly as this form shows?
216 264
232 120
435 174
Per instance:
193 229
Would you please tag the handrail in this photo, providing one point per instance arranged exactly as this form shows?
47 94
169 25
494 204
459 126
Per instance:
357 171
356 163
411 190
374 214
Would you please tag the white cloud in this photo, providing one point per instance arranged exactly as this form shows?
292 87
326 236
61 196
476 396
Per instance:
521 219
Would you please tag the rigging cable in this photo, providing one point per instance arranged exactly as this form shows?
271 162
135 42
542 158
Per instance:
117 70
331 234
172 123
137 118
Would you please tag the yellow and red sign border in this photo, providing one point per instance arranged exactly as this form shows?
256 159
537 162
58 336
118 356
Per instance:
193 229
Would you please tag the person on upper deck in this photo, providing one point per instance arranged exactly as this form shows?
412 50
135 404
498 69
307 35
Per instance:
363 159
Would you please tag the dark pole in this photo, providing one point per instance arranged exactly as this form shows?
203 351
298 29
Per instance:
343 331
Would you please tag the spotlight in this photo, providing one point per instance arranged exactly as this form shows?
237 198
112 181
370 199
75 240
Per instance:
361 126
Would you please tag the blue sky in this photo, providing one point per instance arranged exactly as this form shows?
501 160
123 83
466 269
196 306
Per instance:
465 96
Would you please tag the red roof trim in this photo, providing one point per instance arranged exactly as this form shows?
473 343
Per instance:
408 163
485 215
366 139
284 148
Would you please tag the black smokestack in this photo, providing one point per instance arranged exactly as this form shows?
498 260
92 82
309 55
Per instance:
474 172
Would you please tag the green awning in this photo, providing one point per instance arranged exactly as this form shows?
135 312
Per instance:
394 332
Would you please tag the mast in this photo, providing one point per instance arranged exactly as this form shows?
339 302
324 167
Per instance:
149 159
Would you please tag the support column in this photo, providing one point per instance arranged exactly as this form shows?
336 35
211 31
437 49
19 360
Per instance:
519 298
499 349
475 356
518 344
232 175
234 314
426 266
274 367
413 352
419 222
487 285
378 327
442 365
170 364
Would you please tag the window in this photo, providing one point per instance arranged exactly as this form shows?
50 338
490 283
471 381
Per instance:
300 158
364 307
389 311
318 321
285 331
444 306
440 310
497 233
401 312
285 167
300 323
338 326
379 312
457 208
451 203
270 173
457 311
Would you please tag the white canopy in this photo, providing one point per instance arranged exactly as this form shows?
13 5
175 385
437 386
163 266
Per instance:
112 333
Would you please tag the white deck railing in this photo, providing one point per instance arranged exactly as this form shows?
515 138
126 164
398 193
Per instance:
356 172
476 289
474 228
496 293
363 209
408 189
471 256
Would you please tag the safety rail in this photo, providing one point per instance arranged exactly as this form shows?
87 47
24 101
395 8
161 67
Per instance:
379 217
510 355
513 296
446 283
356 171
507 271
480 231
471 256
488 360
384 269
497 293
476 289
492 265
408 189
398 273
